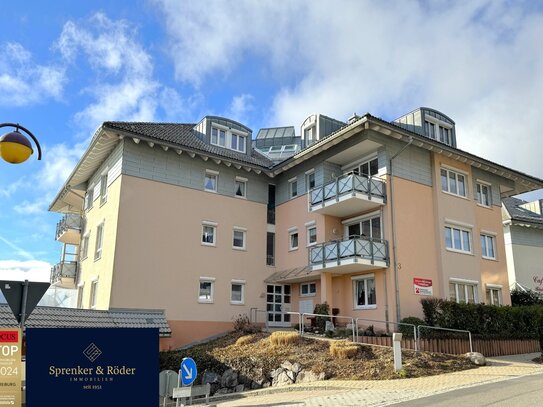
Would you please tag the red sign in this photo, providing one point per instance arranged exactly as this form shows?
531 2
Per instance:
423 286
9 336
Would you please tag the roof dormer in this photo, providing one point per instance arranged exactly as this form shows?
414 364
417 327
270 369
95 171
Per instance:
318 126
429 123
224 133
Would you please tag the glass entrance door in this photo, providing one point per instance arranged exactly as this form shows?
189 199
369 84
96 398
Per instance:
277 303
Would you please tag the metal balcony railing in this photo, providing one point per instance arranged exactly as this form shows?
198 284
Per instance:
348 184
69 221
63 271
357 247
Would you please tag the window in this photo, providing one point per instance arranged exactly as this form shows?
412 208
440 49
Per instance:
493 294
238 239
463 291
209 230
237 292
453 182
80 296
310 135
89 199
444 135
308 289
483 194
218 137
103 189
270 249
488 247
430 129
364 292
293 239
310 180
237 142
367 228
99 239
293 187
94 289
210 182
457 239
240 187
367 168
85 246
206 291
311 235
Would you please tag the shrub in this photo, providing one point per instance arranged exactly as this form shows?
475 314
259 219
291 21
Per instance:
343 349
329 334
525 297
407 331
245 340
284 338
323 309
243 324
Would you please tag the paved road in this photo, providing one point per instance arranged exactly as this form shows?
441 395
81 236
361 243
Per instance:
524 391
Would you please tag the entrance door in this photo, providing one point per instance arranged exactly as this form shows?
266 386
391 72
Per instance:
277 303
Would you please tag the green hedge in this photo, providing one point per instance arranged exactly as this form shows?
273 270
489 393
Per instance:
487 321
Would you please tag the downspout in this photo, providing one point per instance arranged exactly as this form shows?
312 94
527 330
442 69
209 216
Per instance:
393 230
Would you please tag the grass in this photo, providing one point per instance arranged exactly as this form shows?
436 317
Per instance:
279 338
343 349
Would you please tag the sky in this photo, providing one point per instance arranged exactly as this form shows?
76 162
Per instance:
67 66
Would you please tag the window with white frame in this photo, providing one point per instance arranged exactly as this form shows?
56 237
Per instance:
229 138
93 294
237 142
89 199
209 232
211 180
310 135
453 182
488 246
463 291
206 290
458 239
367 168
293 239
308 289
493 294
364 295
444 135
293 187
367 227
99 241
218 137
240 187
85 246
430 129
310 180
311 235
237 292
103 189
483 194
239 238
80 289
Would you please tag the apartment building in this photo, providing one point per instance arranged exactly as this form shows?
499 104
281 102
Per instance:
523 232
204 223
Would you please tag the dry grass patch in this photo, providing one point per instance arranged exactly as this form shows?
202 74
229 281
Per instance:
284 338
245 340
343 349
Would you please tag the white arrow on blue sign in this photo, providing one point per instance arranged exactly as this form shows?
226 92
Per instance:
188 371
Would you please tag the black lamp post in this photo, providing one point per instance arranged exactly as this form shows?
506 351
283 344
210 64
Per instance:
15 147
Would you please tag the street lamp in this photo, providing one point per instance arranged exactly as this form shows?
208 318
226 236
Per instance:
15 147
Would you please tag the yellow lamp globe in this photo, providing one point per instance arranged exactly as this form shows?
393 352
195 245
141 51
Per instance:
15 148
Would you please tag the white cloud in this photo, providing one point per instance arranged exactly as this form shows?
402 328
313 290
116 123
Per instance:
23 82
240 107
31 270
18 251
31 208
479 62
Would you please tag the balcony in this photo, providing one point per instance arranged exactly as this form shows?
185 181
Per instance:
350 255
63 274
348 195
69 229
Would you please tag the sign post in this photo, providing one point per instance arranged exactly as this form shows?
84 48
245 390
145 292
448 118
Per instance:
22 297
11 369
187 376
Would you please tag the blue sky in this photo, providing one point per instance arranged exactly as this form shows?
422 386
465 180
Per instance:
67 66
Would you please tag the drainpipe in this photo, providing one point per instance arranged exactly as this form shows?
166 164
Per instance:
393 230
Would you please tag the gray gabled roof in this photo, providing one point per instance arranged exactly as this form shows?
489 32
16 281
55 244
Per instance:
182 135
57 317
518 213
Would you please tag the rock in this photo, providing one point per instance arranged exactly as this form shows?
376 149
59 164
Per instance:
307 376
283 378
229 378
210 377
239 388
286 365
256 385
476 358
222 390
296 368
276 372
266 384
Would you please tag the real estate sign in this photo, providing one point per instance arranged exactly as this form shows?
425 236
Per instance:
11 370
422 286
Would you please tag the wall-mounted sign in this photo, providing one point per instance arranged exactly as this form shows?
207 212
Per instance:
423 286
538 284
10 367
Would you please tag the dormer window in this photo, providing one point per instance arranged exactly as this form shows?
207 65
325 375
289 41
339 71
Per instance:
439 131
228 138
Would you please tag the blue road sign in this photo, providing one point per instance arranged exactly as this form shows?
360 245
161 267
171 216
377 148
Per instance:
188 371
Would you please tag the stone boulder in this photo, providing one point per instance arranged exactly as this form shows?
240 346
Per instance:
476 358
210 377
229 379
307 376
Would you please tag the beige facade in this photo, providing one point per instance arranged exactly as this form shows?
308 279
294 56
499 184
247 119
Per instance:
189 231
